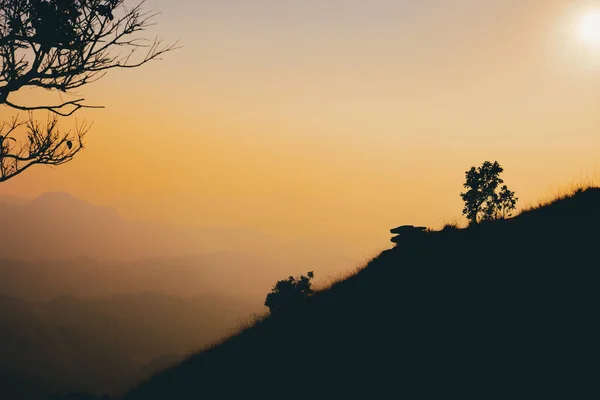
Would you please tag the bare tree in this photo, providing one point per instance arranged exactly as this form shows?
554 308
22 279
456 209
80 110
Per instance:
61 45
45 145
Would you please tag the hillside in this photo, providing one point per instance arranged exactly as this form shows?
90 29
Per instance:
506 309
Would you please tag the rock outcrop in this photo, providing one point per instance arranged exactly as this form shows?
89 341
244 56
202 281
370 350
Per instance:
407 232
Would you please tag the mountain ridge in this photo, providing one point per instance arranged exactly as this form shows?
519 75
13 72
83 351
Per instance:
60 226
494 310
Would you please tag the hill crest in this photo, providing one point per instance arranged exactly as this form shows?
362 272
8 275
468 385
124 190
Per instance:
496 309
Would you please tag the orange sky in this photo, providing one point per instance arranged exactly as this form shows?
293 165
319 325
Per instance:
337 118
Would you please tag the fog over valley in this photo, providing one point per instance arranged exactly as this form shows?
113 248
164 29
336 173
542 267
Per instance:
93 302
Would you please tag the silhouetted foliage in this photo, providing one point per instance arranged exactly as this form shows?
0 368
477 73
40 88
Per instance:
289 291
427 321
482 197
507 202
61 45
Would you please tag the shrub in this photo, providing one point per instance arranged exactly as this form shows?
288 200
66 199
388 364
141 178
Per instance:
288 292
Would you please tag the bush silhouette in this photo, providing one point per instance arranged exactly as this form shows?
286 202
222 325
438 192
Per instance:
482 198
289 291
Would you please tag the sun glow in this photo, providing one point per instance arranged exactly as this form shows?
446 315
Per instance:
589 28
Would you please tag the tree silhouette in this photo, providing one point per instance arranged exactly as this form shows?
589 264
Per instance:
482 198
61 45
507 202
288 292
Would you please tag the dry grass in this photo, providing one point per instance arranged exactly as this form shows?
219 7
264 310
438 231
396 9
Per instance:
249 322
447 224
450 226
576 186
333 279
243 325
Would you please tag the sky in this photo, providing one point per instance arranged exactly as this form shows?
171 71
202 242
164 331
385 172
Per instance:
337 119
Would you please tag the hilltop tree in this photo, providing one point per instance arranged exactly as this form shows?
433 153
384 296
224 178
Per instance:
289 291
482 197
61 45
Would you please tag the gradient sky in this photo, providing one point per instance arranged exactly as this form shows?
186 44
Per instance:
337 118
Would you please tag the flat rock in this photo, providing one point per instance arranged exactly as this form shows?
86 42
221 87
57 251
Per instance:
408 228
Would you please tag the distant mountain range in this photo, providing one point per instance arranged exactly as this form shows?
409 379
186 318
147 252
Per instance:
73 247
229 273
7 199
94 302
60 226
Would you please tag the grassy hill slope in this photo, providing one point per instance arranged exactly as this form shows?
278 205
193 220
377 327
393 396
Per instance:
506 309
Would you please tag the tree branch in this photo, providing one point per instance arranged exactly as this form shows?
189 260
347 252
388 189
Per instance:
74 55
62 45
55 108
44 145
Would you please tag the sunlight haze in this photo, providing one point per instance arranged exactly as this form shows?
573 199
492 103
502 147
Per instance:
338 119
